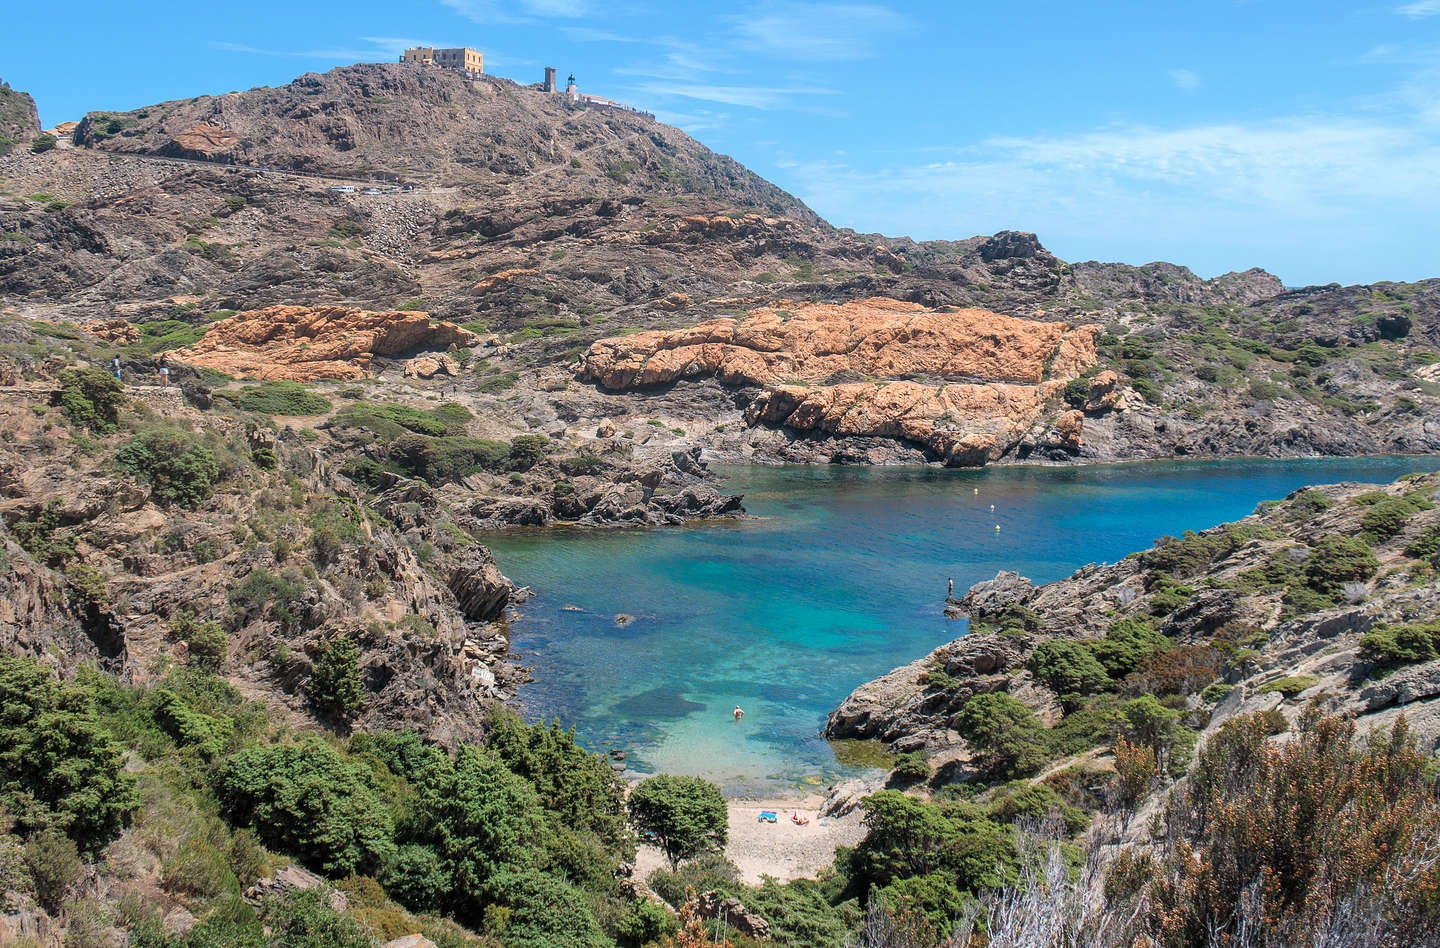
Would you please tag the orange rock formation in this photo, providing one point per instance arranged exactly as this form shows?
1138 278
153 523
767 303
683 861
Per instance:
966 384
305 343
204 139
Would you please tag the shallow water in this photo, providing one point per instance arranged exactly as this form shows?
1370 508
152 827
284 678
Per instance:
841 578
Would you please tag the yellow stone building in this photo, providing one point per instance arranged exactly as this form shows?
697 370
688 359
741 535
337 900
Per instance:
465 60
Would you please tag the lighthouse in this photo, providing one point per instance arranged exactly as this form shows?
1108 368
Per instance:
571 93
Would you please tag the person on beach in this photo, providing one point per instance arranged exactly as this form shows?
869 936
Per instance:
950 592
164 371
738 713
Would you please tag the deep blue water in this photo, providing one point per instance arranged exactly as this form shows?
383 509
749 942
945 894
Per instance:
840 578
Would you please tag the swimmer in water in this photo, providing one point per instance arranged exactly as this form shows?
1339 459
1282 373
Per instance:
738 713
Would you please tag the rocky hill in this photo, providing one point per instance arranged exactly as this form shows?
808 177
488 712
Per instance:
553 227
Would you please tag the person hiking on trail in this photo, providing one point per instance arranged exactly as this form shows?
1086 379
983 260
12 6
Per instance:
164 371
738 713
115 367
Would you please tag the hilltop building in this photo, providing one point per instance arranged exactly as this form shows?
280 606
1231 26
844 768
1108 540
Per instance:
575 97
469 61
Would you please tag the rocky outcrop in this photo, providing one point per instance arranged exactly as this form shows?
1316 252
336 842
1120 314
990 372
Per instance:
713 905
965 384
19 120
293 879
306 343
880 338
202 140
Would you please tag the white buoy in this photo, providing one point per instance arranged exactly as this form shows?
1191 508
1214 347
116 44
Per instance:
992 508
997 528
976 489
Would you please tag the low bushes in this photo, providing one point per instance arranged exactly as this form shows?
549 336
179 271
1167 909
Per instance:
91 398
179 469
277 398
1392 645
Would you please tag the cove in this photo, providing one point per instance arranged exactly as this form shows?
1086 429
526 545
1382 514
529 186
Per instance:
839 578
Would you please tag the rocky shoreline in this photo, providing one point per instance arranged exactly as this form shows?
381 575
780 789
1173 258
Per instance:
1241 586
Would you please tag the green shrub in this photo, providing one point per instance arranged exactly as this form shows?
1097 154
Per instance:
1389 645
1068 666
345 228
1193 552
1289 686
1150 723
1310 502
54 864
1126 643
305 919
39 538
307 800
1388 517
1336 560
1007 738
335 687
546 912
1425 544
1213 694
526 451
262 592
911 767
499 382
482 821
59 770
703 873
179 469
205 640
685 816
278 398
91 398
42 143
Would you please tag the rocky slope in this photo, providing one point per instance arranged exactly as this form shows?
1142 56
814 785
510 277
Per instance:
1289 607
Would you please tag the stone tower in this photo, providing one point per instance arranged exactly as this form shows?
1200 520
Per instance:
549 78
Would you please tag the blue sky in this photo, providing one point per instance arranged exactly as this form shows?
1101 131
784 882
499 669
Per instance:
1303 137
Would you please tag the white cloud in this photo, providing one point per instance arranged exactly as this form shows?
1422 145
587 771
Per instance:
522 11
1419 9
1185 79
1301 195
820 32
754 97
380 48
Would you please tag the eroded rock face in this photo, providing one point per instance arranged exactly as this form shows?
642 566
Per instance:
967 384
202 140
306 343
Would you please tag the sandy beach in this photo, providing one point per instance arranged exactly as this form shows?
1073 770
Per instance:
782 849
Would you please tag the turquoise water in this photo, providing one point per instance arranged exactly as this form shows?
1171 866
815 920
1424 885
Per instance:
839 579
